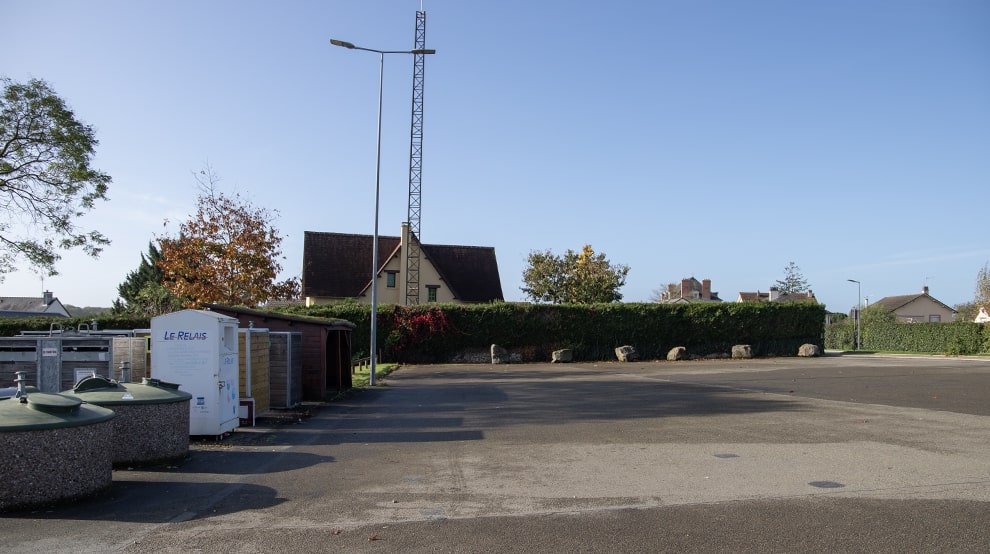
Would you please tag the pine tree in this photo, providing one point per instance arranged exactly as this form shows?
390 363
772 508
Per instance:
793 281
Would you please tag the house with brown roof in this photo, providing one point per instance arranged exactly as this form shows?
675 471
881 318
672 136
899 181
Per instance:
917 308
32 306
774 295
337 266
691 290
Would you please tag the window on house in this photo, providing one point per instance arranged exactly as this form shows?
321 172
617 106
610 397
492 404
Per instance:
934 319
431 293
390 279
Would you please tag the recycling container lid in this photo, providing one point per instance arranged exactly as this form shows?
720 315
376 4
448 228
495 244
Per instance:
48 410
105 392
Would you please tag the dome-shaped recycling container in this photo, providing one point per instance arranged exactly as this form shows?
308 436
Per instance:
55 448
152 422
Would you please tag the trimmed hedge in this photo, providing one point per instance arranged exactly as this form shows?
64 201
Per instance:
10 327
434 333
957 338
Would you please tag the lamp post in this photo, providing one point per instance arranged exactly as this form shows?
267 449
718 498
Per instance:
859 312
378 175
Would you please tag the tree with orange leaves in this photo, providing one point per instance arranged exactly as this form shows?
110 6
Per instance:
227 253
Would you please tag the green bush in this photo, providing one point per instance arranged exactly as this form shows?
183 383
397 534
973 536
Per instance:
841 336
435 332
10 327
958 338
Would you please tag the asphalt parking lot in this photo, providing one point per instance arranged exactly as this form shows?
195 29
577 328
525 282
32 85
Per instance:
831 454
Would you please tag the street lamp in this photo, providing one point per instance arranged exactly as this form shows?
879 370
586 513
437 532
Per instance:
859 312
378 175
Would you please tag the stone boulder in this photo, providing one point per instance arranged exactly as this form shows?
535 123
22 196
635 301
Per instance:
562 356
626 354
810 351
742 351
678 353
499 355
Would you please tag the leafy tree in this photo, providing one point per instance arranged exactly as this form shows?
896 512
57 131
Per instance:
666 292
155 299
147 272
545 277
793 280
969 310
877 315
142 291
582 277
227 253
966 311
983 287
46 181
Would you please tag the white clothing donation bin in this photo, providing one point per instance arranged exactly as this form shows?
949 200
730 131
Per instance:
197 350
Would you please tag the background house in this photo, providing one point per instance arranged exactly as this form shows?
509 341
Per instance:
691 290
917 308
337 266
27 306
774 295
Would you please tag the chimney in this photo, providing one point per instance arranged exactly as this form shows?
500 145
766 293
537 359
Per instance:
706 289
47 298
685 288
924 290
403 282
774 294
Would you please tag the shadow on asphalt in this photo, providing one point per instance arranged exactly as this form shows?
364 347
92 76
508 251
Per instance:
158 502
240 462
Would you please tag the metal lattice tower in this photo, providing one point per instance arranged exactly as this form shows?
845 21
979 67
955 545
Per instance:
416 165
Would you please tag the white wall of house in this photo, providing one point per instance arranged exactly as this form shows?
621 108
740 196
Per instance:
923 310
428 277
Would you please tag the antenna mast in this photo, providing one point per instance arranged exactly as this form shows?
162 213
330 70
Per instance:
415 165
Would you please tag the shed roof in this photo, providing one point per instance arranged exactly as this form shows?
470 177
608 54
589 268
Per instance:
264 316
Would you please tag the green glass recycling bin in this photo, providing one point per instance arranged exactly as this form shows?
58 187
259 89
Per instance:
152 422
53 448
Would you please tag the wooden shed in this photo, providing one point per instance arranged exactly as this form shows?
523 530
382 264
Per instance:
285 366
326 346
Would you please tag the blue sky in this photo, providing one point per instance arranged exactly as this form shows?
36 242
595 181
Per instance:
717 139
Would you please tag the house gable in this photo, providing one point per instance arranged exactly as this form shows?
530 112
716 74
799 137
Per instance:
917 308
471 272
337 266
32 306
773 295
691 290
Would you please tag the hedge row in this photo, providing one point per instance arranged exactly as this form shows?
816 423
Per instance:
438 332
434 333
958 338
12 326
